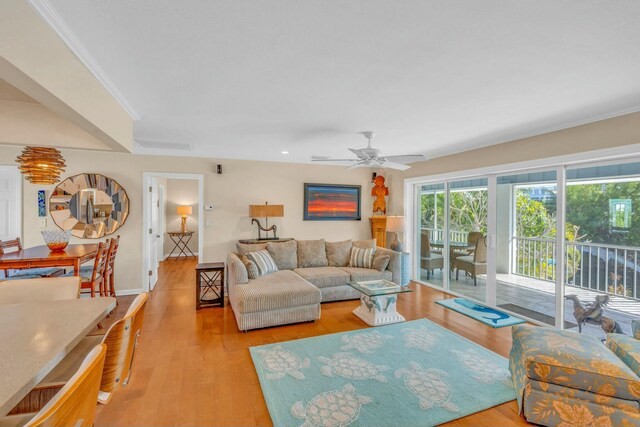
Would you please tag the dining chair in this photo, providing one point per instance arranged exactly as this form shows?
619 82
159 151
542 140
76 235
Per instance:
121 340
15 245
75 402
42 289
93 277
475 263
472 238
428 260
111 261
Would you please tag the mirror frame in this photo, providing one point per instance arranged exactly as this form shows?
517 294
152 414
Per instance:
109 182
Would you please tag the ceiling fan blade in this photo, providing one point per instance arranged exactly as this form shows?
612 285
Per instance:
334 160
406 159
396 166
357 165
359 153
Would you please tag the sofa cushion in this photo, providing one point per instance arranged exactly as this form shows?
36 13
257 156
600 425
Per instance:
312 253
252 268
338 253
574 360
324 277
281 289
363 274
380 262
284 254
627 348
361 257
263 261
245 248
365 244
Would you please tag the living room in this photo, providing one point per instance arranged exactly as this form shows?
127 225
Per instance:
486 104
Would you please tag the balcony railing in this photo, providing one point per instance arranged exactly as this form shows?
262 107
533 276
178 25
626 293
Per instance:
438 235
609 269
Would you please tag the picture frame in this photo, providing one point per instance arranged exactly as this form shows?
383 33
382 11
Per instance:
332 202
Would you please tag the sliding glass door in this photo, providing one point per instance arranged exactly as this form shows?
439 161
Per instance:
522 241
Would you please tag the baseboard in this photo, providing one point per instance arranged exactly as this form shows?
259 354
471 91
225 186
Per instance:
175 255
129 292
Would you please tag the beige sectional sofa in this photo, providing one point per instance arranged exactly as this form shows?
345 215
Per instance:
309 272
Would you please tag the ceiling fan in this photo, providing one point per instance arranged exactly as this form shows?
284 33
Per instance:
370 157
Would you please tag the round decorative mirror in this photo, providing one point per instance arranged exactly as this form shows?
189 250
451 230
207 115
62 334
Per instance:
90 205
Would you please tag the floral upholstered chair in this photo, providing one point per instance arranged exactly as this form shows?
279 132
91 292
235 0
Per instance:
568 379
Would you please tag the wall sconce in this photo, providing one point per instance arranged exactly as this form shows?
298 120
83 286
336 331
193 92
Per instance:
267 211
183 211
373 176
219 169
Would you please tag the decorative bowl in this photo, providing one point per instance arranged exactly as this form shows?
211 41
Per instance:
56 240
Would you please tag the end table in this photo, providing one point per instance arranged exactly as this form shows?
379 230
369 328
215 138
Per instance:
210 285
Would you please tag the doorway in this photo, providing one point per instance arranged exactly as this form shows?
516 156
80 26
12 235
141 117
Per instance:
160 217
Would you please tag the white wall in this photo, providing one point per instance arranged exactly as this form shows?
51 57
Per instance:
242 183
181 192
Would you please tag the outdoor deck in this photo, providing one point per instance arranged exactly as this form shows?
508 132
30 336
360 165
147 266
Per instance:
532 295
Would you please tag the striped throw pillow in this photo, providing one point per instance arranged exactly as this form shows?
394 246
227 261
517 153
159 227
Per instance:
263 261
361 257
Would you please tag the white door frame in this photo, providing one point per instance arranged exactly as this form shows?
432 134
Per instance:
17 211
146 179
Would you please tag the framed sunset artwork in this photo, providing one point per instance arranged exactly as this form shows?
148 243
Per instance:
329 202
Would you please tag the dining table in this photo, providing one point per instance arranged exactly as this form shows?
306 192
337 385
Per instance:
453 245
36 336
42 256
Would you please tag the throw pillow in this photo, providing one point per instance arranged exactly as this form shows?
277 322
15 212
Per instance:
338 253
365 244
252 268
362 258
312 253
245 248
380 262
284 254
263 261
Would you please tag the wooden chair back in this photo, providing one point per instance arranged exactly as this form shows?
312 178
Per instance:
111 261
99 270
9 244
122 340
480 253
39 290
75 403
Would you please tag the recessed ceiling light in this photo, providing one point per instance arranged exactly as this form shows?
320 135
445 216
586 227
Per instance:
284 152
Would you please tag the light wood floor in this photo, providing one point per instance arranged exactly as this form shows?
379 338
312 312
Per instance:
194 368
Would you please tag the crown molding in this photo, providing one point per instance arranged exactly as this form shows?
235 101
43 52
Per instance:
51 17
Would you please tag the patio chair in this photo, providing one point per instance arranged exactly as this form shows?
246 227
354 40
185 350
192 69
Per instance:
472 238
475 263
429 260
15 245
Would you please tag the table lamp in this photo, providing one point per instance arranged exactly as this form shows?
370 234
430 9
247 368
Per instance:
267 211
183 211
395 224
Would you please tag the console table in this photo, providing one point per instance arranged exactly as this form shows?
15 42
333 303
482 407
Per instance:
180 241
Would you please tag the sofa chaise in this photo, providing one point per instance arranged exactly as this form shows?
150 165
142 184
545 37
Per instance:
308 272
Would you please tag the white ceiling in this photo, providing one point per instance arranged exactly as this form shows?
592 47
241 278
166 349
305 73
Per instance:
249 79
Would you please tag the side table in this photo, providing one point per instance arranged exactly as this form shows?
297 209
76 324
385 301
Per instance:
180 241
210 285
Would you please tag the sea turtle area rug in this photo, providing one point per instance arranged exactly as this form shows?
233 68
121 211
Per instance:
407 374
487 315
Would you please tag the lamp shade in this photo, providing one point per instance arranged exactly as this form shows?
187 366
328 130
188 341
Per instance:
395 224
184 210
266 211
